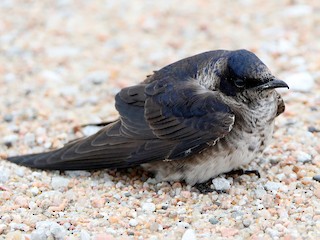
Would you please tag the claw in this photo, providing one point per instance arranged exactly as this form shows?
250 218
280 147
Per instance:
241 172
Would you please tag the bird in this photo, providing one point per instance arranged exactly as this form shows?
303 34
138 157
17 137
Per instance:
190 121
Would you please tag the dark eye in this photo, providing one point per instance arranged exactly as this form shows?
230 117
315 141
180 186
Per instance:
240 83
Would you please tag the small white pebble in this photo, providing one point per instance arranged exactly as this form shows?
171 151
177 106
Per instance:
78 173
58 182
48 230
36 175
303 157
273 186
90 130
34 190
189 234
183 225
272 232
20 171
29 139
19 226
2 227
181 210
10 139
221 184
66 225
280 176
5 174
148 207
111 231
119 185
84 235
117 196
32 205
133 222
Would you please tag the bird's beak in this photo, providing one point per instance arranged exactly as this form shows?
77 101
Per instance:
274 83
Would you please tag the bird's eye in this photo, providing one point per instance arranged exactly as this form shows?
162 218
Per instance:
240 83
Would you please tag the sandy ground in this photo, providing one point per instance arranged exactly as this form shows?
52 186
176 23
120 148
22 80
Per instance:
62 62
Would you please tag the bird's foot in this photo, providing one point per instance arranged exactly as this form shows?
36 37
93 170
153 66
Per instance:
242 172
204 187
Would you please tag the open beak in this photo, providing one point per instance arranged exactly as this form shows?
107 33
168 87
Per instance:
274 83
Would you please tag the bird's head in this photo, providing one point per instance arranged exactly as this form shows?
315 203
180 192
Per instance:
242 73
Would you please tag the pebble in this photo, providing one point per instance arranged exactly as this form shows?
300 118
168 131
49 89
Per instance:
59 182
2 227
302 81
316 177
148 207
185 194
221 184
22 201
90 130
154 226
213 220
229 232
272 232
133 222
183 225
9 140
32 205
273 186
8 117
181 210
98 202
10 78
299 10
189 234
313 129
104 236
165 206
48 230
19 226
20 171
84 235
303 157
246 222
62 52
5 174
34 190
97 77
51 76
16 235
77 173
317 192
29 139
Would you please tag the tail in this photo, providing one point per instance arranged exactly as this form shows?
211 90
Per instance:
108 148
54 160
39 160
105 149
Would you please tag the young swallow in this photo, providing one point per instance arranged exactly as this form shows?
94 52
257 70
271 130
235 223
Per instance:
192 120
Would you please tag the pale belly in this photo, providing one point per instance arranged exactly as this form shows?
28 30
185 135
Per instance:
231 153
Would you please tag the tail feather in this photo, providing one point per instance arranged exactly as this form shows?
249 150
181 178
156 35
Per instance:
37 160
47 161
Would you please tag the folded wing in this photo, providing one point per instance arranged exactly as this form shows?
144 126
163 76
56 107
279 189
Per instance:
168 118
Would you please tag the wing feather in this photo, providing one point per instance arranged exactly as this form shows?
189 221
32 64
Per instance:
168 118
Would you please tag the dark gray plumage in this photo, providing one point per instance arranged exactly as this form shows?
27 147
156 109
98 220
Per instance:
191 120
